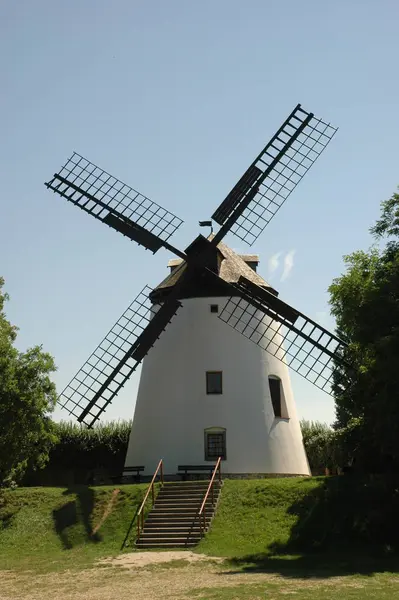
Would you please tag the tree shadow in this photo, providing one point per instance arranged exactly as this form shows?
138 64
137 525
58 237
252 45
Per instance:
321 566
75 512
129 530
346 525
6 520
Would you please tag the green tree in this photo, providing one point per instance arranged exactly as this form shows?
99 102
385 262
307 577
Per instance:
365 302
27 397
321 445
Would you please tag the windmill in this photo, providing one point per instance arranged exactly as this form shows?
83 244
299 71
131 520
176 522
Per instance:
274 335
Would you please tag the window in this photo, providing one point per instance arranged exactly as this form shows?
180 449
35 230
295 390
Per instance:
275 393
214 308
214 382
215 443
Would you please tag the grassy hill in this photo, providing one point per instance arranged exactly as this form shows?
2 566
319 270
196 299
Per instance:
53 528
254 515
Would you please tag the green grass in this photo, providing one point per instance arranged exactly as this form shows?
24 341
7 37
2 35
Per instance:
52 528
292 527
379 588
257 527
253 515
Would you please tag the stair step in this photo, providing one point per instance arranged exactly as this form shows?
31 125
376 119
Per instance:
192 495
169 525
168 535
189 513
177 526
188 482
176 513
162 544
173 520
169 529
184 489
178 521
185 497
186 520
180 504
182 500
189 485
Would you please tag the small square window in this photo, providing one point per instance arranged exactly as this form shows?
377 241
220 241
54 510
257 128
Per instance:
214 382
214 308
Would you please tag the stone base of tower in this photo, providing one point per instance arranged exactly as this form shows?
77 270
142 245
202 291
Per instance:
262 475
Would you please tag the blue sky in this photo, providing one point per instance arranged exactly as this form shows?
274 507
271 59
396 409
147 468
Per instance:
176 98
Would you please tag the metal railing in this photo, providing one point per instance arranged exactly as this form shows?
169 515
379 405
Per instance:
151 487
202 511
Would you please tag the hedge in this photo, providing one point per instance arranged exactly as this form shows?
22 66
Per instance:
81 454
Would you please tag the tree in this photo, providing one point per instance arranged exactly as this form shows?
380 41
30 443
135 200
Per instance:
365 302
27 397
321 445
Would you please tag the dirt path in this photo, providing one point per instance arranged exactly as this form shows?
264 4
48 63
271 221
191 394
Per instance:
144 559
144 576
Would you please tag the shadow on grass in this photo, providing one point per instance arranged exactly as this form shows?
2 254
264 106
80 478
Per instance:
6 521
320 566
346 525
127 536
75 512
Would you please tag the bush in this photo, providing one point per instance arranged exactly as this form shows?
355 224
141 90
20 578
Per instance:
322 445
80 451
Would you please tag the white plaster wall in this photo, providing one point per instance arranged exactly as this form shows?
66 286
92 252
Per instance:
173 409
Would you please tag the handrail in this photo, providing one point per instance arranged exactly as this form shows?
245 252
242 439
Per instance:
202 510
140 514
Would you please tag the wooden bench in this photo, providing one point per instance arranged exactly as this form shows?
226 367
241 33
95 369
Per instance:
128 475
183 470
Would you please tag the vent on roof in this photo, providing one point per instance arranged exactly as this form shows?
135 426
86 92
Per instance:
174 263
252 260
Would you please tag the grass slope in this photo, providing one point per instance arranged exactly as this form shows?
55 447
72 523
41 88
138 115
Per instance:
51 528
253 515
300 527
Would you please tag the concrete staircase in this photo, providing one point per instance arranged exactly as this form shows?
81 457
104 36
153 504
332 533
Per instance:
173 521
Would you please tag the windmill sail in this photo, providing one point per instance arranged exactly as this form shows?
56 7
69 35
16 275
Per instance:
306 347
114 203
115 359
273 175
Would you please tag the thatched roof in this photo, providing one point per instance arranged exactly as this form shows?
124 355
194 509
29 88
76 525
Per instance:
231 267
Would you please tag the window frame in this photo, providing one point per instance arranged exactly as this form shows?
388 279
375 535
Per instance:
283 405
209 393
215 431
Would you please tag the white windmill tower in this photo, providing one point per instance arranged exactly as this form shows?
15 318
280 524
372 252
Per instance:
206 391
